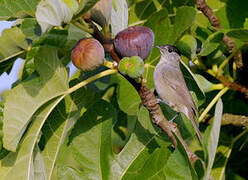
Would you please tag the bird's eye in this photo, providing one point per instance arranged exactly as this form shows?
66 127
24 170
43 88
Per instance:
169 50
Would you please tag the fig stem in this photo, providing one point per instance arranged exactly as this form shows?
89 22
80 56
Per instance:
84 28
89 80
109 64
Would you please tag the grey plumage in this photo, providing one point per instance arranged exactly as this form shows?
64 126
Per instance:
170 84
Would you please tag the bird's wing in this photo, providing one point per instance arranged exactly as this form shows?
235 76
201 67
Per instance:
176 82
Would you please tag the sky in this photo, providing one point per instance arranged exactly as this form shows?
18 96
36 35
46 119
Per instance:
6 80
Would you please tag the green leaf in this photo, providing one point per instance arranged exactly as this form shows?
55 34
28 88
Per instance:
17 9
138 151
73 4
241 34
187 46
185 17
54 37
12 43
22 101
212 43
178 166
140 11
56 127
119 17
92 134
128 98
84 6
31 28
206 85
52 13
193 84
211 137
19 164
39 166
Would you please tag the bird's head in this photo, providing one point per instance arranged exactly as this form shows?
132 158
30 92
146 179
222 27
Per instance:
169 52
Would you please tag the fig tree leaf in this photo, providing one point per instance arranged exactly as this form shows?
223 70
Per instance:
136 154
24 100
17 9
140 11
56 127
90 141
212 43
39 166
178 165
119 16
206 85
84 6
55 37
12 43
31 28
241 34
52 13
90 148
187 46
222 156
185 17
19 164
211 138
128 98
193 84
73 4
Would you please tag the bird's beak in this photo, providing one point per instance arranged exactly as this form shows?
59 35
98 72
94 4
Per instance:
159 47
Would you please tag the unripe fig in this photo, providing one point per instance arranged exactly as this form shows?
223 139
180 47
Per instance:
131 66
134 41
87 54
101 12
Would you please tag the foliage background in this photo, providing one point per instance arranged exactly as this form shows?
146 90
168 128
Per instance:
51 129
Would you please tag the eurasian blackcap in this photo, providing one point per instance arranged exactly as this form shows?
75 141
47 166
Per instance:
171 87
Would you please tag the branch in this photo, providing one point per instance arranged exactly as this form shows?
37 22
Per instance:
213 19
147 96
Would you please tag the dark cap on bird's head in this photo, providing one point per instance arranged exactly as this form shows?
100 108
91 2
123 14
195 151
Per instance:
169 48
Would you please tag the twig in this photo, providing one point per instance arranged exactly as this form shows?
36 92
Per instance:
147 96
235 120
213 19
233 85
207 11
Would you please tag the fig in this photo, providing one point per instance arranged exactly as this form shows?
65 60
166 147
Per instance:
131 66
134 41
87 54
101 12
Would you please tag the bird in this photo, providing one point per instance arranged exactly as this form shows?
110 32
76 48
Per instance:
171 87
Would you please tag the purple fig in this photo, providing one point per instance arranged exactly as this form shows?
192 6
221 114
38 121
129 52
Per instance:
134 41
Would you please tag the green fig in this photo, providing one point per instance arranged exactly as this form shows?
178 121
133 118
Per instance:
131 66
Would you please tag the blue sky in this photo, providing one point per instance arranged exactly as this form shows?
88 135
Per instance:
6 80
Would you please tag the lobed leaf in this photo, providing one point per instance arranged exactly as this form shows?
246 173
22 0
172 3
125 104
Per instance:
19 164
17 9
25 99
241 34
211 137
12 42
53 13
119 16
